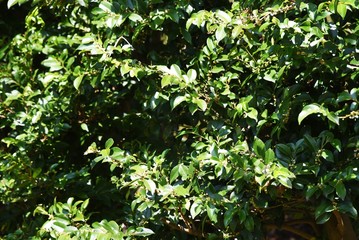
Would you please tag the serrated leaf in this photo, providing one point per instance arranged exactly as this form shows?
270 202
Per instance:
308 110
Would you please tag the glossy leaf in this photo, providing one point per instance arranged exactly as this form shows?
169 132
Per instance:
308 110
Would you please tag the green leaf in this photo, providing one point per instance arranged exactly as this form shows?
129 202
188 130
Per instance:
223 16
253 113
180 191
323 218
212 212
183 171
106 6
269 156
150 185
135 17
332 117
84 127
341 190
192 75
348 208
249 223
52 63
168 80
173 14
264 26
327 155
242 215
259 147
270 76
85 204
220 33
142 232
324 207
342 9
310 141
175 70
285 181
282 171
174 173
109 143
177 101
36 172
228 216
201 104
308 110
310 191
11 3
195 209
78 81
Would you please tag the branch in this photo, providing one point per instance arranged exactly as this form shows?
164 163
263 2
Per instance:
305 221
292 230
179 227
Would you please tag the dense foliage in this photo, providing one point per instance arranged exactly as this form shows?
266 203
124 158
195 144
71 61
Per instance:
179 119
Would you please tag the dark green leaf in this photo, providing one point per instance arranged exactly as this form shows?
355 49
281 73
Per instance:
341 190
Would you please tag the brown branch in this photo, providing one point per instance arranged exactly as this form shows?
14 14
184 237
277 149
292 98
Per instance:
186 220
340 222
292 230
179 227
305 221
